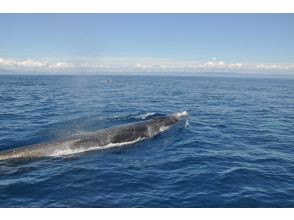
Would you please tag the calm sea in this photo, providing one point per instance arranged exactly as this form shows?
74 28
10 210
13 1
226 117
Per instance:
235 150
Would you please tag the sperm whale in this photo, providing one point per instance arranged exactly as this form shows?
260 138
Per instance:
101 139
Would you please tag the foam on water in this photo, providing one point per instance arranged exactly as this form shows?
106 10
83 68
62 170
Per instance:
133 116
144 116
181 114
69 151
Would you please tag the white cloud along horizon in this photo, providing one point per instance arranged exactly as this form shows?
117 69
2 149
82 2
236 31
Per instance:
140 65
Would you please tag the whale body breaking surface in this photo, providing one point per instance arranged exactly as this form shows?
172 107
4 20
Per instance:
101 139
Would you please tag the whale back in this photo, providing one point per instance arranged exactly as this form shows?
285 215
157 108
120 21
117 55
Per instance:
111 136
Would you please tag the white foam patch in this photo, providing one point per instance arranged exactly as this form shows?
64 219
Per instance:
181 114
144 116
187 124
69 151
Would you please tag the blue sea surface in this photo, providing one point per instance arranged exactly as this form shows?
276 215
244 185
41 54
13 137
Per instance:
235 150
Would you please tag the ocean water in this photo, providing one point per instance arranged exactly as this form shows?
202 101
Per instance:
235 150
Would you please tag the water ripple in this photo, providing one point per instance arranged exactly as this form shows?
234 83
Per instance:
236 151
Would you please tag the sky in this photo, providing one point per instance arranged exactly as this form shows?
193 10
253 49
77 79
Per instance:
135 43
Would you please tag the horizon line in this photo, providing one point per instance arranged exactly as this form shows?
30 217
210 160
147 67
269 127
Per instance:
140 64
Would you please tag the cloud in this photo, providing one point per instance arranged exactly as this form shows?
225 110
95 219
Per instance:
31 65
138 65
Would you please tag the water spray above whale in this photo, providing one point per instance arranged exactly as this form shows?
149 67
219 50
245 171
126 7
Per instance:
101 139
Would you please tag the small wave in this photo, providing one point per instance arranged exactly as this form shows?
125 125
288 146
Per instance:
133 116
144 116
187 124
69 151
80 132
106 81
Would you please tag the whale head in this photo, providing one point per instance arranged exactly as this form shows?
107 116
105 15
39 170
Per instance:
181 115
163 123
